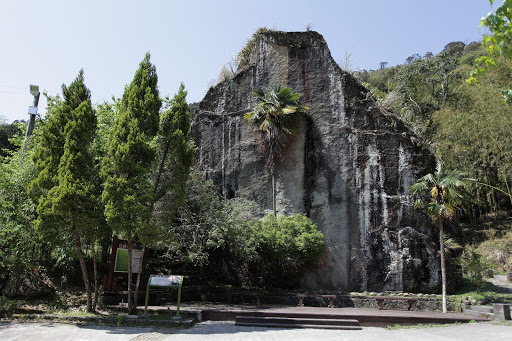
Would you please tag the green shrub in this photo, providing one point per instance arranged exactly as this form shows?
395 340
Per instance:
497 251
222 241
473 267
285 247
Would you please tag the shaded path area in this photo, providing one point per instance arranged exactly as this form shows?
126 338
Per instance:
500 284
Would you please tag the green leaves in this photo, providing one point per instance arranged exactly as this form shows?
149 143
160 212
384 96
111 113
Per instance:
141 98
473 266
270 252
19 242
127 191
275 111
148 159
294 238
426 85
480 69
175 155
63 187
499 43
445 189
474 132
285 246
499 24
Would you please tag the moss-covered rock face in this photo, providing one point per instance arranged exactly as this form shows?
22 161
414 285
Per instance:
348 167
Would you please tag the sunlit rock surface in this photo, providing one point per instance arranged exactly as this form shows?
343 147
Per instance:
348 167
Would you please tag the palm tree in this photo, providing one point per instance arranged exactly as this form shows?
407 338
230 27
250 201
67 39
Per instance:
447 194
274 115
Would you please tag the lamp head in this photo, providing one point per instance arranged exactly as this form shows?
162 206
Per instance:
34 89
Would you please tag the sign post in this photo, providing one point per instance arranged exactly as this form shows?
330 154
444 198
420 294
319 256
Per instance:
164 281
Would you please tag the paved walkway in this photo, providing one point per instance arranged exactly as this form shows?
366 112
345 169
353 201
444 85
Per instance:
224 331
500 283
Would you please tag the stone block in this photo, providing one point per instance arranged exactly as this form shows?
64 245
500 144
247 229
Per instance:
501 311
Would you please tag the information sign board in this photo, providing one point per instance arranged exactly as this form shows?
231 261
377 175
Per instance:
165 281
121 264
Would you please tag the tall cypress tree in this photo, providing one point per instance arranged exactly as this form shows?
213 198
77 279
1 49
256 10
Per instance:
175 155
63 188
127 191
170 171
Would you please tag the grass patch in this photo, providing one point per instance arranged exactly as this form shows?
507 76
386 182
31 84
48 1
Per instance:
75 313
420 325
503 323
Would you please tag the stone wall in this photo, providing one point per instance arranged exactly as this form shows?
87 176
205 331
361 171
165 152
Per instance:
348 167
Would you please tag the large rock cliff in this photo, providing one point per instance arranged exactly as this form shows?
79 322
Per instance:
348 167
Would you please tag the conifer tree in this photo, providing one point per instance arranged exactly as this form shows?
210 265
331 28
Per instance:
63 188
175 155
127 190
171 168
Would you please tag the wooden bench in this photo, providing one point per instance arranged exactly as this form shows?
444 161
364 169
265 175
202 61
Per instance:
411 300
302 296
256 294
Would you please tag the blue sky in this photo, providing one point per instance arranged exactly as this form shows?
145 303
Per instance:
48 42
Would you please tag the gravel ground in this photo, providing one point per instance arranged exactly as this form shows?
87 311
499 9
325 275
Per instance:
222 331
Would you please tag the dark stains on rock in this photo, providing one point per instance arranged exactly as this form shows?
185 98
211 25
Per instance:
310 163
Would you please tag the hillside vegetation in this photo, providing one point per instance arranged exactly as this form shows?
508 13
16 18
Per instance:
467 126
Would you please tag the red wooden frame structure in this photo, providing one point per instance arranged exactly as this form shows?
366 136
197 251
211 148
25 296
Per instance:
108 280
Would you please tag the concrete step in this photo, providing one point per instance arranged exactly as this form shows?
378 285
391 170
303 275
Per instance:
482 308
293 322
287 325
297 320
479 314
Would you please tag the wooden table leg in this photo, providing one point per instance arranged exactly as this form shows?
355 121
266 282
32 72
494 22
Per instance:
380 303
301 302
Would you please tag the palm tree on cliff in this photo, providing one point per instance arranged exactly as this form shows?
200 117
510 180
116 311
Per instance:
274 115
447 194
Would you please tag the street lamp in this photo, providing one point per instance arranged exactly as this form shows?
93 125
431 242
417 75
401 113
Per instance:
32 110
